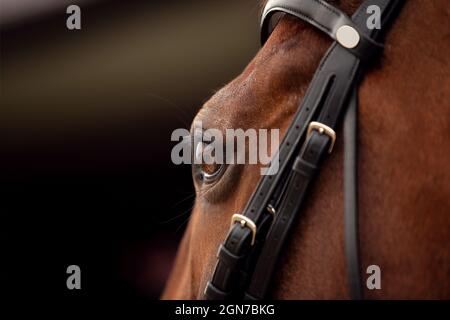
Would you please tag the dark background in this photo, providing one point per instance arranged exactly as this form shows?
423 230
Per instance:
85 124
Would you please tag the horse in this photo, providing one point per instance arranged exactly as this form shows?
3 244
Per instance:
404 165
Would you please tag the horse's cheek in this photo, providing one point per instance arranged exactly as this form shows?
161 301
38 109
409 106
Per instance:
208 231
179 285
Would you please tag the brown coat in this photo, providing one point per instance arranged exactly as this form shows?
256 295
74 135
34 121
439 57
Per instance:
404 165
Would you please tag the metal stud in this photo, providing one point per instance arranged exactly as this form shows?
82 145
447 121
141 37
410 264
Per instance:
348 37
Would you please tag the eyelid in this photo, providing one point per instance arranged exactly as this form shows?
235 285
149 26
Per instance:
198 154
212 178
216 187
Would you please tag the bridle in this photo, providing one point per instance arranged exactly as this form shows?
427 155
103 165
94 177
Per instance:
247 258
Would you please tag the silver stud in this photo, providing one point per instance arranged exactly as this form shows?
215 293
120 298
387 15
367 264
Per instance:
348 37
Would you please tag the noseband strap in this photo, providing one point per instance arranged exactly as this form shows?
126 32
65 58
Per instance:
248 257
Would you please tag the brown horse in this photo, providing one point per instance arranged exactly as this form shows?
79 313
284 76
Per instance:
404 165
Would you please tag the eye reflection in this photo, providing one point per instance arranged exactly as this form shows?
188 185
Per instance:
206 169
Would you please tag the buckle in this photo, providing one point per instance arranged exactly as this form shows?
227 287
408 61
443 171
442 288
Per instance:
271 209
322 129
245 223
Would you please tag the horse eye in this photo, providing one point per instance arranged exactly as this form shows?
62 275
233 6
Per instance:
207 170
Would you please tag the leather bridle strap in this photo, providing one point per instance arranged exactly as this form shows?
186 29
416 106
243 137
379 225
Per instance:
256 241
323 16
351 242
343 67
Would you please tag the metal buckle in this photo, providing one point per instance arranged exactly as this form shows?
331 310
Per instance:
245 222
323 129
271 209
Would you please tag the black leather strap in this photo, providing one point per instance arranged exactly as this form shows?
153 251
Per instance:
299 156
320 14
310 156
351 242
342 67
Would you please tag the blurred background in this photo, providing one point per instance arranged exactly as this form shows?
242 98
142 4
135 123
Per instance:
85 124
